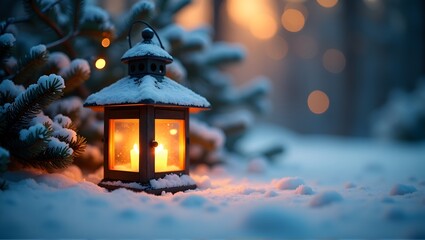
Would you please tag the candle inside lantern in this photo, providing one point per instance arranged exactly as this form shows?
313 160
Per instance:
161 158
134 157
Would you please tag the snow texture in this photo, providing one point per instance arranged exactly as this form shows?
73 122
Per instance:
59 59
325 198
46 81
147 90
304 190
7 39
62 120
56 143
4 160
8 87
215 135
288 183
401 189
143 49
31 131
235 203
37 50
172 180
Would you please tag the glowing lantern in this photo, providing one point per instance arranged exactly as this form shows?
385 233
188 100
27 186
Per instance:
146 121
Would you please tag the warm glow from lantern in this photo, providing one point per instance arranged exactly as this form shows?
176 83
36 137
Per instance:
334 60
161 159
100 63
134 157
318 102
293 20
105 42
171 151
327 3
277 48
195 15
123 145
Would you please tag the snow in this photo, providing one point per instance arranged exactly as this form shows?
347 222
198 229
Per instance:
31 131
56 143
7 39
215 135
147 90
325 198
143 49
59 59
62 120
172 180
46 81
401 189
232 202
7 86
288 183
38 49
304 190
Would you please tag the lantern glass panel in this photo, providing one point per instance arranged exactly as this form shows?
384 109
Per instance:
170 152
124 145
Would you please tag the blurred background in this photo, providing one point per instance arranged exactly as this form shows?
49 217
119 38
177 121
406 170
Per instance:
332 63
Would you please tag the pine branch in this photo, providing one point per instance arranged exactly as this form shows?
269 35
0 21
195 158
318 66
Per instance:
77 73
95 23
31 64
142 10
31 142
78 146
31 102
52 158
7 42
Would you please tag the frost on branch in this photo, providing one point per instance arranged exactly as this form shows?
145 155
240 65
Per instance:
32 138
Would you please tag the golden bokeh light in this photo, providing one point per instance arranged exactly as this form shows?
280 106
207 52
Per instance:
264 28
277 48
100 63
105 42
258 17
318 102
327 3
293 20
334 60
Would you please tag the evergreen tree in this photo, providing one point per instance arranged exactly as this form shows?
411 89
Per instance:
39 129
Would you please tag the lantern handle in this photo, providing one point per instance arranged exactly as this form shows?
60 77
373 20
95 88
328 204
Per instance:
149 26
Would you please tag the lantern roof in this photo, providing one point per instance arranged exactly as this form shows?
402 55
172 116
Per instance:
147 90
146 49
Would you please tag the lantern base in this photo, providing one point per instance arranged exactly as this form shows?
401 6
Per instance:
138 187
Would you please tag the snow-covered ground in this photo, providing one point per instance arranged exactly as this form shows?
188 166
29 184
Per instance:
321 187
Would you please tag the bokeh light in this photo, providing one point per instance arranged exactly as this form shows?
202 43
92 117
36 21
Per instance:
277 48
100 63
264 27
105 42
318 102
334 60
293 20
327 3
258 17
195 15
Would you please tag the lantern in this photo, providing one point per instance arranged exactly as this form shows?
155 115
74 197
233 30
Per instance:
146 123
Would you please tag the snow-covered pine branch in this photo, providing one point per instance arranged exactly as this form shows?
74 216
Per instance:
31 64
77 73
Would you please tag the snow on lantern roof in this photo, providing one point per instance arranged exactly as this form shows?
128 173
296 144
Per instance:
146 90
147 49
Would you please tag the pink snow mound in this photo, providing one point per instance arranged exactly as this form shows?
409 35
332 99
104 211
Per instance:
325 198
400 189
202 182
349 185
288 183
304 190
172 180
147 90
